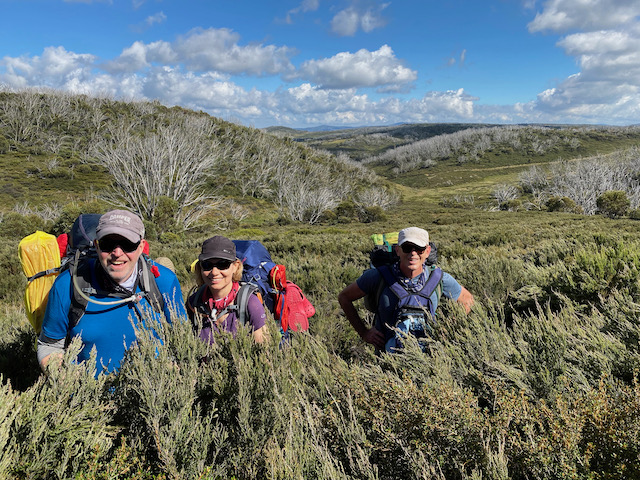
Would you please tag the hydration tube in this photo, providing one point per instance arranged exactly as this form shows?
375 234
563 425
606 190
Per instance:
132 298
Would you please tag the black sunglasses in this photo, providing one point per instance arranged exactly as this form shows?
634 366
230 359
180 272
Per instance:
108 244
207 265
410 247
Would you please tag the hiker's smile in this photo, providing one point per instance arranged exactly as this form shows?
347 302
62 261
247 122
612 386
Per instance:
119 263
412 261
217 274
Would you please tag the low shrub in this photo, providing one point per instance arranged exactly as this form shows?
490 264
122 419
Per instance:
613 203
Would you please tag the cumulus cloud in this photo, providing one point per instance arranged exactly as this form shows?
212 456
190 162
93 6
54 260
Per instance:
606 46
364 68
56 68
566 15
199 70
216 50
347 22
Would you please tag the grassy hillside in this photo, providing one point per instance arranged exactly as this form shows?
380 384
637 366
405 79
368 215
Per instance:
539 381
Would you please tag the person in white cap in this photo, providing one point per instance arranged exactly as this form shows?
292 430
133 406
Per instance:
409 292
98 299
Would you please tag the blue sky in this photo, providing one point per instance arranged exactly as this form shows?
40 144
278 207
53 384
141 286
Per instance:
303 63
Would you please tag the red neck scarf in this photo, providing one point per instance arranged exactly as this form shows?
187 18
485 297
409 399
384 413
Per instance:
221 304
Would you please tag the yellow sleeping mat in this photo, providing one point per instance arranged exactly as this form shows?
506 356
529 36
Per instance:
40 258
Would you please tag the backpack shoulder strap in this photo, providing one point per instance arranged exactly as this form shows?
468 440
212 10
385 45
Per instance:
392 282
434 283
194 300
436 272
242 300
149 286
80 281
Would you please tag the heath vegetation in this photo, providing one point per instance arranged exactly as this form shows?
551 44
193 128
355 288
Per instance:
539 381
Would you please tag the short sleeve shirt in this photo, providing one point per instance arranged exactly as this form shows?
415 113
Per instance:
256 319
385 315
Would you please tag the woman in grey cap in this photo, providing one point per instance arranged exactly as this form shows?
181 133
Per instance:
216 303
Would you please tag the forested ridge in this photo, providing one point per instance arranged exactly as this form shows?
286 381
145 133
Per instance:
539 381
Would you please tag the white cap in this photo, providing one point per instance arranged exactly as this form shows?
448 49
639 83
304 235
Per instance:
415 235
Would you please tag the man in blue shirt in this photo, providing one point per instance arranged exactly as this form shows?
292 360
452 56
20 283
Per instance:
114 293
408 279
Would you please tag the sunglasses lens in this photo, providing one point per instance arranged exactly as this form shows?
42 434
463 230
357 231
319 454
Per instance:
409 247
220 264
110 244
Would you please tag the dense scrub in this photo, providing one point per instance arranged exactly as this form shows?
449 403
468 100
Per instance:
584 181
539 381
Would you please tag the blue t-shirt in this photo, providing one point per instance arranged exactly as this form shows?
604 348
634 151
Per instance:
108 329
368 283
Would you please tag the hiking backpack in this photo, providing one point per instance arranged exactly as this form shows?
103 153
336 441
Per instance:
283 298
261 275
42 262
410 313
384 254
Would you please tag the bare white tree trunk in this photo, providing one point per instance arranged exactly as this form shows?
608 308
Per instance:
174 161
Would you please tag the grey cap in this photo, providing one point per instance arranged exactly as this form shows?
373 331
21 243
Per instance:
218 247
120 222
415 235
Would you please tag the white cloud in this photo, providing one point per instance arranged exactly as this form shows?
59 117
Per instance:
197 71
361 69
56 68
178 88
347 22
606 47
218 49
608 42
208 50
305 6
131 59
158 18
566 15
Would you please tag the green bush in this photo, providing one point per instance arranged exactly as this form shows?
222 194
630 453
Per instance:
372 214
634 214
562 204
164 215
613 203
17 226
511 205
4 145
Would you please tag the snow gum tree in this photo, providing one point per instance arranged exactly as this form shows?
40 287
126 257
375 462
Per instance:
172 161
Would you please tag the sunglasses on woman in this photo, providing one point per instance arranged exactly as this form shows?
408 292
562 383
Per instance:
410 247
109 244
207 265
